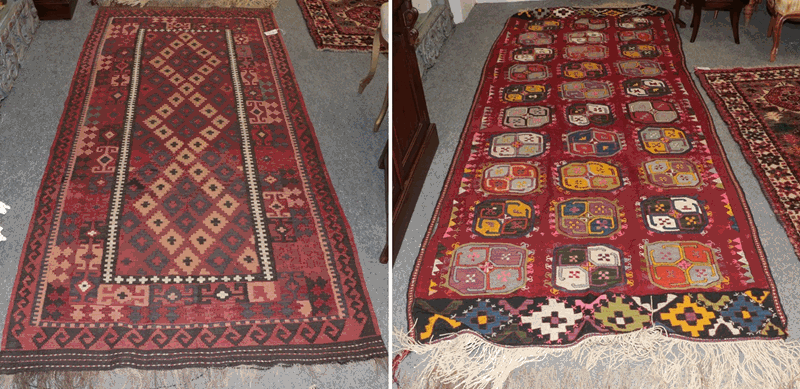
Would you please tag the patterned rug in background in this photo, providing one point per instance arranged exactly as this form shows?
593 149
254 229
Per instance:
342 25
762 109
185 218
589 196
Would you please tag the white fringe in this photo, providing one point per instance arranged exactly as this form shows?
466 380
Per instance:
3 208
470 362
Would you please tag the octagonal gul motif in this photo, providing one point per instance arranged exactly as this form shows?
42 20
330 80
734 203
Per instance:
535 38
587 217
664 140
580 70
643 36
533 54
517 145
593 142
589 24
589 176
645 87
674 214
584 37
544 25
487 269
526 117
639 68
585 90
633 22
584 114
578 268
634 50
511 178
652 112
525 93
682 265
671 173
585 52
523 72
503 218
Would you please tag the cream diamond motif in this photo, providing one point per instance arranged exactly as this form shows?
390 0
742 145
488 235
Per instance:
158 222
228 204
160 187
174 144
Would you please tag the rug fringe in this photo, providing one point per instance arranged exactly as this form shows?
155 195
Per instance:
467 361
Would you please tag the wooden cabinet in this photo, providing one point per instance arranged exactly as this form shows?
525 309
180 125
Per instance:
414 137
55 9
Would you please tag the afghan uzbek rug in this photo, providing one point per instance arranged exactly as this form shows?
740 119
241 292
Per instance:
185 217
342 25
762 109
589 210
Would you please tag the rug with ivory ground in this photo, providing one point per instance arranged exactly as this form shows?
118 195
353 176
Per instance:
185 217
590 211
762 109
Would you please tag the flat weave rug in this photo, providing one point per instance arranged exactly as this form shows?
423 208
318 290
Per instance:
762 109
589 204
185 217
342 25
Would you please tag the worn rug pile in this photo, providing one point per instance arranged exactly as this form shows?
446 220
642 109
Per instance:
762 109
342 25
185 217
590 212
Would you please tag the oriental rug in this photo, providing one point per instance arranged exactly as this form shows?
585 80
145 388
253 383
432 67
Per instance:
589 204
342 25
762 109
185 217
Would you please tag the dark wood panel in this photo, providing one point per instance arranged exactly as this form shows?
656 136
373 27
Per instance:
55 9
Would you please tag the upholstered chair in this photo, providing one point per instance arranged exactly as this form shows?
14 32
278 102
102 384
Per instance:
781 11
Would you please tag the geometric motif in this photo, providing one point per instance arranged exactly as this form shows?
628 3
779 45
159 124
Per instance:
578 268
525 93
584 114
593 142
487 268
682 265
633 22
590 24
674 214
637 51
689 316
579 70
526 116
535 39
645 87
514 178
587 217
585 52
533 54
552 320
636 35
652 111
544 25
671 173
583 37
503 218
664 140
528 72
517 145
589 176
585 90
639 68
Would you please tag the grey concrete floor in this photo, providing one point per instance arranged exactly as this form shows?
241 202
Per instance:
451 84
343 121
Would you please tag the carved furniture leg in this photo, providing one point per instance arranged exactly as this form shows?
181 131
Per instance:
678 20
698 8
776 37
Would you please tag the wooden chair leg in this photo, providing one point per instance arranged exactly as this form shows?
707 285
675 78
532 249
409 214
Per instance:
776 37
736 11
678 20
382 114
698 8
771 25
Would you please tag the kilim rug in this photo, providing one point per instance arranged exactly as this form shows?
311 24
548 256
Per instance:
342 25
762 109
185 217
589 205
